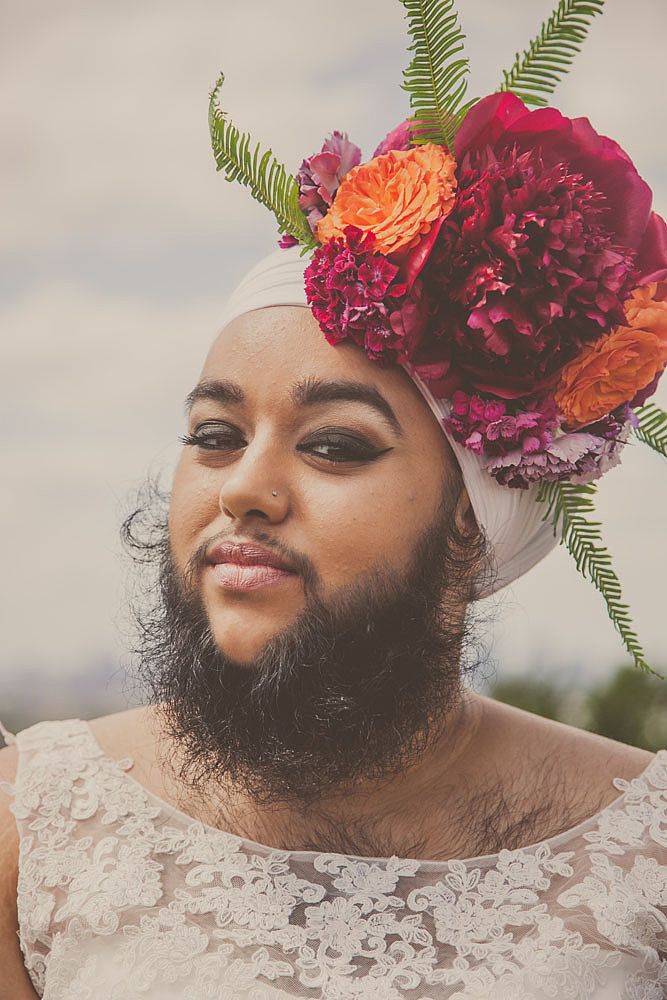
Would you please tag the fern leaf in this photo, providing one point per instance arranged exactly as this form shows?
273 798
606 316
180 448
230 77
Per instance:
538 68
267 179
652 427
570 505
436 78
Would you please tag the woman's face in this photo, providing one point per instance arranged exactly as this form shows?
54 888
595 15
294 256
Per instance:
355 482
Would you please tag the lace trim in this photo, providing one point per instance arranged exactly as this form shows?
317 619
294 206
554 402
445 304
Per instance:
196 906
619 783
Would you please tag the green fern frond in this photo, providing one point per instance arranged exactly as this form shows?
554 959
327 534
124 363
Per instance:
268 180
549 56
569 505
652 427
436 79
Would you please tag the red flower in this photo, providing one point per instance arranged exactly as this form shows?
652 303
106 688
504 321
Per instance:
489 428
502 121
358 294
523 272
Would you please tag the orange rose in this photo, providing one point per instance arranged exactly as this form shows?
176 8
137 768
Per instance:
612 369
397 196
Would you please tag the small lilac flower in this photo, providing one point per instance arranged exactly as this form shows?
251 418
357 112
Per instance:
320 175
580 457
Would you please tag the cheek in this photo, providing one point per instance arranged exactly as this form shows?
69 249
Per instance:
193 507
360 524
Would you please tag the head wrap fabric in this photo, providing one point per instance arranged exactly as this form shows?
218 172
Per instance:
511 518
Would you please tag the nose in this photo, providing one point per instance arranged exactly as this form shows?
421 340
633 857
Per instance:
255 487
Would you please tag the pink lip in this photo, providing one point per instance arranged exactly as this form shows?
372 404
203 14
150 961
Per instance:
240 566
240 576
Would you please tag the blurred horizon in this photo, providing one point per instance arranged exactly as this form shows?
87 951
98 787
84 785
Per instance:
120 244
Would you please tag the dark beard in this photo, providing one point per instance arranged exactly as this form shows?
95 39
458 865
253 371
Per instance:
355 688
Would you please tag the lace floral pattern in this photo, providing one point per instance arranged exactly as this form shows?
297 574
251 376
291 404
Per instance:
123 897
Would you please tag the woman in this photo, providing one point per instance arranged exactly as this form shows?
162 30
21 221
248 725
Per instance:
318 804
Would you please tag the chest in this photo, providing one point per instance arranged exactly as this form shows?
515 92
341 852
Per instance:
120 895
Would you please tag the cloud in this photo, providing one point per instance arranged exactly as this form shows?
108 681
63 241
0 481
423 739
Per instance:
93 394
119 244
110 160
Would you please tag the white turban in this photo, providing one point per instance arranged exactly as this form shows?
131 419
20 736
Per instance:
510 517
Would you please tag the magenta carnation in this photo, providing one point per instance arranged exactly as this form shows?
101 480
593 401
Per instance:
524 272
320 175
487 427
358 294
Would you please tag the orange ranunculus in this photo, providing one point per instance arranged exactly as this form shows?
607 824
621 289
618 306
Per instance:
397 196
614 368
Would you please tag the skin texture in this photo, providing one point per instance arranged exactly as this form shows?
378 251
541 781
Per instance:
324 515
527 743
14 980
535 777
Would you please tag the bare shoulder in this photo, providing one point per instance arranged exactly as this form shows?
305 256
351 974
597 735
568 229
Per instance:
120 734
15 983
586 762
135 733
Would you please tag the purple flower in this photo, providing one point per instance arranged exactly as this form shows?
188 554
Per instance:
579 457
643 394
320 175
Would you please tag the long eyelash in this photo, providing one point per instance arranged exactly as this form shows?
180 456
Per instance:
197 439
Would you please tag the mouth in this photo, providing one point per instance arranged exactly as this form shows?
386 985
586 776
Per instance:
243 566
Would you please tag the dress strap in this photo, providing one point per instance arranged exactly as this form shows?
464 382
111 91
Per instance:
7 736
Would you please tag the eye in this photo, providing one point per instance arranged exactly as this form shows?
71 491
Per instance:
338 448
220 437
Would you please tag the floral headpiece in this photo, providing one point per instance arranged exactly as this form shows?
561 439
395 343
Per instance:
508 256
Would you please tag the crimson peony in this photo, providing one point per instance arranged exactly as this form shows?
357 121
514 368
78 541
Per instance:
524 273
502 121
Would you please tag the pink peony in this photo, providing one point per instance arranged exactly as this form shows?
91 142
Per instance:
320 175
524 272
502 121
358 294
398 138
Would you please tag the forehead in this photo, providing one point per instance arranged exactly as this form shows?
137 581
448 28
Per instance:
268 350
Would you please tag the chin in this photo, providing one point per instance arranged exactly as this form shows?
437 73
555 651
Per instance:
241 633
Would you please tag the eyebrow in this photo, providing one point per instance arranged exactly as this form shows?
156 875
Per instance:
217 390
311 391
308 392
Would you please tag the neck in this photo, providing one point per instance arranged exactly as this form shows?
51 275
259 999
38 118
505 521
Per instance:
408 814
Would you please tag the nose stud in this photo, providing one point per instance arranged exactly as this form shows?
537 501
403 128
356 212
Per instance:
274 493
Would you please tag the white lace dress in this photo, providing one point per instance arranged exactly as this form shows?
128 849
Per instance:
123 897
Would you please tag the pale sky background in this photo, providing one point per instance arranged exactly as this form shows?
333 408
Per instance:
119 244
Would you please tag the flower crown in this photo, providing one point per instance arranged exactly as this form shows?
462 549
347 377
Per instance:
508 256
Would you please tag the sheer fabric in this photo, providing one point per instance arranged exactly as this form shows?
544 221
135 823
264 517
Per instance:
123 897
